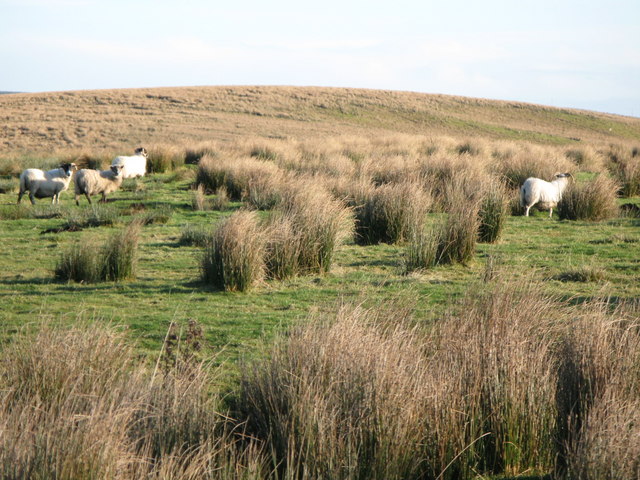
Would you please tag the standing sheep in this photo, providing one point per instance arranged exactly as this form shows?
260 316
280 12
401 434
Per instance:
545 195
46 184
92 182
134 166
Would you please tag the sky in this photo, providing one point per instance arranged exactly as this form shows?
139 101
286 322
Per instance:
573 54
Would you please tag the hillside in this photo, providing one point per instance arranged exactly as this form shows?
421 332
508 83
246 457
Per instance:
117 119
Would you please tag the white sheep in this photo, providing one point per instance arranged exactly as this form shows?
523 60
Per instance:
41 184
545 195
134 166
92 182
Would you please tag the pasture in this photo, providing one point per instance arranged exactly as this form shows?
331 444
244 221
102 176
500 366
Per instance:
216 153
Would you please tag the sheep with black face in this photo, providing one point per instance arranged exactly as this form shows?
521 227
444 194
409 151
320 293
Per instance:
42 184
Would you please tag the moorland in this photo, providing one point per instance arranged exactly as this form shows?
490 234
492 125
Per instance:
323 283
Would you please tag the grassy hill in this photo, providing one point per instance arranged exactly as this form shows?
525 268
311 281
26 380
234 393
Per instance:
118 119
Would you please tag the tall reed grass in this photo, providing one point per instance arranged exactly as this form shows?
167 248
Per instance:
321 221
493 211
594 200
233 259
114 261
77 403
391 213
510 382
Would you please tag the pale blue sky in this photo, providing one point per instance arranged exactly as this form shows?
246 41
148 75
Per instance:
583 54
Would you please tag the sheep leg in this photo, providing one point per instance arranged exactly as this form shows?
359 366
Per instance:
526 213
551 213
104 198
32 197
88 198
20 194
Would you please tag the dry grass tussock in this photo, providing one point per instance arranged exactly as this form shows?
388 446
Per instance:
593 200
510 381
489 390
234 256
76 404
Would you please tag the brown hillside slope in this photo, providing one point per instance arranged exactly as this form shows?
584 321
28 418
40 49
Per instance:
119 119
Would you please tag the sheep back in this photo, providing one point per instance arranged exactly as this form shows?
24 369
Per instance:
92 182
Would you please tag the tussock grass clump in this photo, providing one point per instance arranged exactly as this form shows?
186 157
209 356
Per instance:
456 238
366 394
283 249
599 376
467 148
625 169
10 166
594 200
493 211
452 240
91 161
255 181
114 261
9 185
80 264
199 201
234 257
420 253
157 216
78 404
164 158
586 273
391 213
120 254
322 222
197 236
193 155
92 216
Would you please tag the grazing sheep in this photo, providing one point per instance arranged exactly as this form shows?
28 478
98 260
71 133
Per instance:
545 195
92 182
134 166
46 184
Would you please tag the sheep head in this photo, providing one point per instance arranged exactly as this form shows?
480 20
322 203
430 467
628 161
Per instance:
117 169
68 168
141 151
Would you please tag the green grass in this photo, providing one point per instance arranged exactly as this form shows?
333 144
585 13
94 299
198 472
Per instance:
168 285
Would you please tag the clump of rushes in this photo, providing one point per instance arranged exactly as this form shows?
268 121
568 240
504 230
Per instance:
391 213
283 248
195 235
626 170
322 222
120 254
420 252
79 264
114 261
594 200
244 179
493 212
234 257
199 201
456 237
165 158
